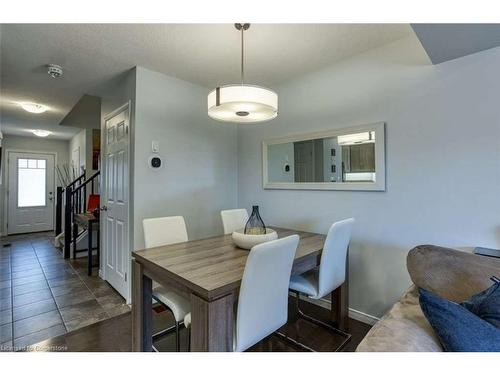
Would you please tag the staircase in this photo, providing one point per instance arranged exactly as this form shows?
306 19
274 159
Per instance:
76 198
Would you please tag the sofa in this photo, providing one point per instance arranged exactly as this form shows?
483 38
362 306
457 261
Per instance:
451 274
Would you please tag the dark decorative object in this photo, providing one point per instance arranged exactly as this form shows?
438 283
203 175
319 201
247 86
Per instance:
96 213
255 224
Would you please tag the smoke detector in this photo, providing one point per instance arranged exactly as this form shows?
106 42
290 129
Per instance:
55 71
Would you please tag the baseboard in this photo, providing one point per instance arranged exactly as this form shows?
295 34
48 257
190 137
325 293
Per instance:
353 314
363 317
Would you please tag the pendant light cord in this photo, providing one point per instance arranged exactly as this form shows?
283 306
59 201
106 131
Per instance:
242 56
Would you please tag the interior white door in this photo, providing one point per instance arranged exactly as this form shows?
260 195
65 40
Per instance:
30 192
115 200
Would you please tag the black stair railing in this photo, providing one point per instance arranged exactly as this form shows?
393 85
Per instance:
75 196
60 201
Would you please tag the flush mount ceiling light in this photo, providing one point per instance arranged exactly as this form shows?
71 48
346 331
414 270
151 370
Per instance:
33 107
41 133
242 103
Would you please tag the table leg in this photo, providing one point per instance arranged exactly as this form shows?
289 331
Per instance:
212 324
142 335
89 258
340 302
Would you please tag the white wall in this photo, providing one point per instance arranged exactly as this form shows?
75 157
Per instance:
11 142
442 163
83 142
278 156
78 159
199 175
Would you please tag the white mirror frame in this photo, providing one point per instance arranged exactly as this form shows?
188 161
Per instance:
377 185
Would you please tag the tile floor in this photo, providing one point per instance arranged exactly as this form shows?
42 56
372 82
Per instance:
43 295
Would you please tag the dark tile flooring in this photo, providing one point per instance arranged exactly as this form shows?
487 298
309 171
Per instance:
43 295
114 335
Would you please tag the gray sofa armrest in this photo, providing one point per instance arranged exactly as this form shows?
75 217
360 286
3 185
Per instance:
451 274
403 328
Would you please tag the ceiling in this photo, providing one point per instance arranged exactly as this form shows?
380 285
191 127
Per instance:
205 54
444 42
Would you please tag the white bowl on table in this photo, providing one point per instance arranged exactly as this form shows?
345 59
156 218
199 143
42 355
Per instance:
247 241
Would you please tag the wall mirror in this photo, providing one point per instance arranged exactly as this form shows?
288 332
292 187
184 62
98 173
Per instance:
341 159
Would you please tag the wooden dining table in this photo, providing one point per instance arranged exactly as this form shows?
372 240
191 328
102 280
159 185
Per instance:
210 272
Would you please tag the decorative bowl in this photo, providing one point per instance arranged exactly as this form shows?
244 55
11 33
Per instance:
247 241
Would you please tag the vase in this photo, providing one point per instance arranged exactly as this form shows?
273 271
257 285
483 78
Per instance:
255 224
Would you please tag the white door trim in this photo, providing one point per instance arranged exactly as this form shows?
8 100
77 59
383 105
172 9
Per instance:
102 270
7 180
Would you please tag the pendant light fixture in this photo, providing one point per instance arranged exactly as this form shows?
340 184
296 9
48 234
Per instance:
242 103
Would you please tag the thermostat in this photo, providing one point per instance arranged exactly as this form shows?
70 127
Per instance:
155 162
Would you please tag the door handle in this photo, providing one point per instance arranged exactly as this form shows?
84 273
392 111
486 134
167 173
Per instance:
104 208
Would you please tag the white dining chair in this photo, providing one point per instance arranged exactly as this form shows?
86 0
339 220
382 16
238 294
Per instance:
330 274
233 219
163 231
263 298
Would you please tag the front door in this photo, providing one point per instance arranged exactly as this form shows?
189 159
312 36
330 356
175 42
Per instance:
30 192
115 200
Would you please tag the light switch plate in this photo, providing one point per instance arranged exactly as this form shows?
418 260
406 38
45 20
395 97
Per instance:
155 147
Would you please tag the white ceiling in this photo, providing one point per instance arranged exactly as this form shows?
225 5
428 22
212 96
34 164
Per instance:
205 54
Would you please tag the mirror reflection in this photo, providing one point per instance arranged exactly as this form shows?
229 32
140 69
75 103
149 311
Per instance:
342 158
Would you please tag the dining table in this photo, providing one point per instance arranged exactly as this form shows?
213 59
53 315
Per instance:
209 271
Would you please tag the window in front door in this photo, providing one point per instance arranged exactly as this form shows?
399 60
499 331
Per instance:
31 182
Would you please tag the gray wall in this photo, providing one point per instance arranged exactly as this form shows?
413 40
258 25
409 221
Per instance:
199 174
11 142
442 164
278 156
